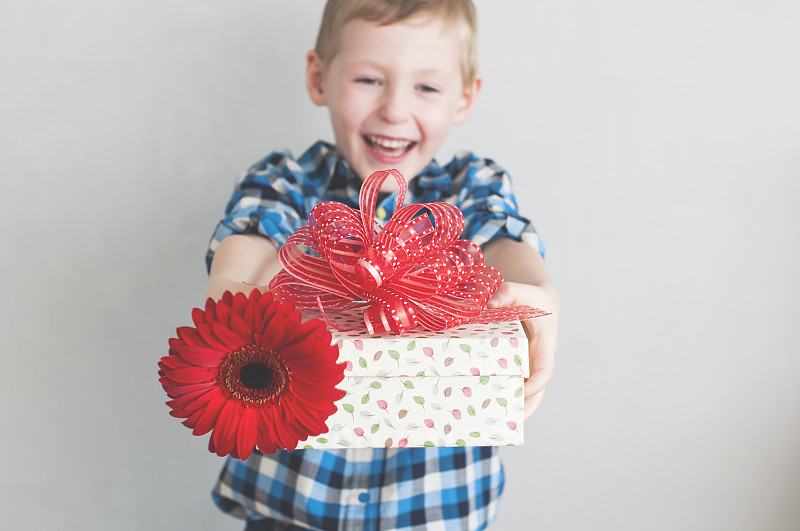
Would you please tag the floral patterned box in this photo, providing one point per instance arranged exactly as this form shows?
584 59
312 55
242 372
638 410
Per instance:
459 387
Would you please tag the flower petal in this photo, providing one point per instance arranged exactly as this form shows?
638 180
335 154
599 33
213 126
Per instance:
326 393
282 435
314 345
242 330
191 375
175 389
290 434
223 314
192 419
267 439
304 422
249 313
208 420
307 372
211 309
273 329
191 336
189 401
323 408
247 433
202 357
173 361
239 304
312 331
198 317
208 336
224 434
224 334
265 310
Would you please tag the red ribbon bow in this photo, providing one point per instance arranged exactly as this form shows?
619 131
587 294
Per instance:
414 270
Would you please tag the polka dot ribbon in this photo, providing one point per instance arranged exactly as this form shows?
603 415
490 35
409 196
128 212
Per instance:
412 272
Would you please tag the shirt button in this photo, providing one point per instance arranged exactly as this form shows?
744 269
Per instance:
363 497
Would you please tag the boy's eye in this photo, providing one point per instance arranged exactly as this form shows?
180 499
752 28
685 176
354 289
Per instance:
427 88
367 80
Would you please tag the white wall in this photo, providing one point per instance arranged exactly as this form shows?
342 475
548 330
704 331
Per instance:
655 144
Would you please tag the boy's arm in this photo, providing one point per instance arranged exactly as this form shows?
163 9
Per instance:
527 281
242 262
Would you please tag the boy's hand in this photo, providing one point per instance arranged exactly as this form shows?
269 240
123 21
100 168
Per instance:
542 335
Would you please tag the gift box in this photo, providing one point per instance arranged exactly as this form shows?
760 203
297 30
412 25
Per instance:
405 361
458 387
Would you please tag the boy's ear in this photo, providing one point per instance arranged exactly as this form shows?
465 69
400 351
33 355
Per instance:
315 78
467 101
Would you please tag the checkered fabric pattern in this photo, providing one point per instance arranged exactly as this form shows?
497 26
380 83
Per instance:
365 489
274 197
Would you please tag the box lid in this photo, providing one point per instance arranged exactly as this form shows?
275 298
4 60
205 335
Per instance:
468 350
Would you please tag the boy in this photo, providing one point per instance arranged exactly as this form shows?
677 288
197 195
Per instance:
394 75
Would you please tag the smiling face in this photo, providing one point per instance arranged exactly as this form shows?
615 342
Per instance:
392 92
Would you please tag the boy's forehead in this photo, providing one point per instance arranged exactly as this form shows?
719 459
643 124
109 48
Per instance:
432 44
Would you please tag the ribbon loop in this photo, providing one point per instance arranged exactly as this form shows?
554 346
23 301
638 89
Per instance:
412 271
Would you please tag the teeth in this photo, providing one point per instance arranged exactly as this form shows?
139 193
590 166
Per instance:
387 143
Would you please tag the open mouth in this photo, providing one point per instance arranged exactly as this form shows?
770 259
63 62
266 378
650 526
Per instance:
389 147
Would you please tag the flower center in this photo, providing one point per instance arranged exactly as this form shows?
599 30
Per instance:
253 375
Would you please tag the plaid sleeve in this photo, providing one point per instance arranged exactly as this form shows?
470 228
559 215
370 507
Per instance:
487 200
269 199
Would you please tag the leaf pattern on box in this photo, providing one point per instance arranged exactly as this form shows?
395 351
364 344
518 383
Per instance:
446 352
459 387
478 418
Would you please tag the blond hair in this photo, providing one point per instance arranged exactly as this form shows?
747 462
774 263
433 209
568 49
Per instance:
456 15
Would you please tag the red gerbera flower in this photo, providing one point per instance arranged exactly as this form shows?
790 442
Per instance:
252 372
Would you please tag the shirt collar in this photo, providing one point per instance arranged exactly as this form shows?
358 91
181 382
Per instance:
342 172
432 179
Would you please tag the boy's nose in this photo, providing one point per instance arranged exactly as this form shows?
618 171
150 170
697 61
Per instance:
396 105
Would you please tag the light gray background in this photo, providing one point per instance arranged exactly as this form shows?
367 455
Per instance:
656 145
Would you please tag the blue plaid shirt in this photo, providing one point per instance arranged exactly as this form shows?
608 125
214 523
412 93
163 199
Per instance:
366 489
